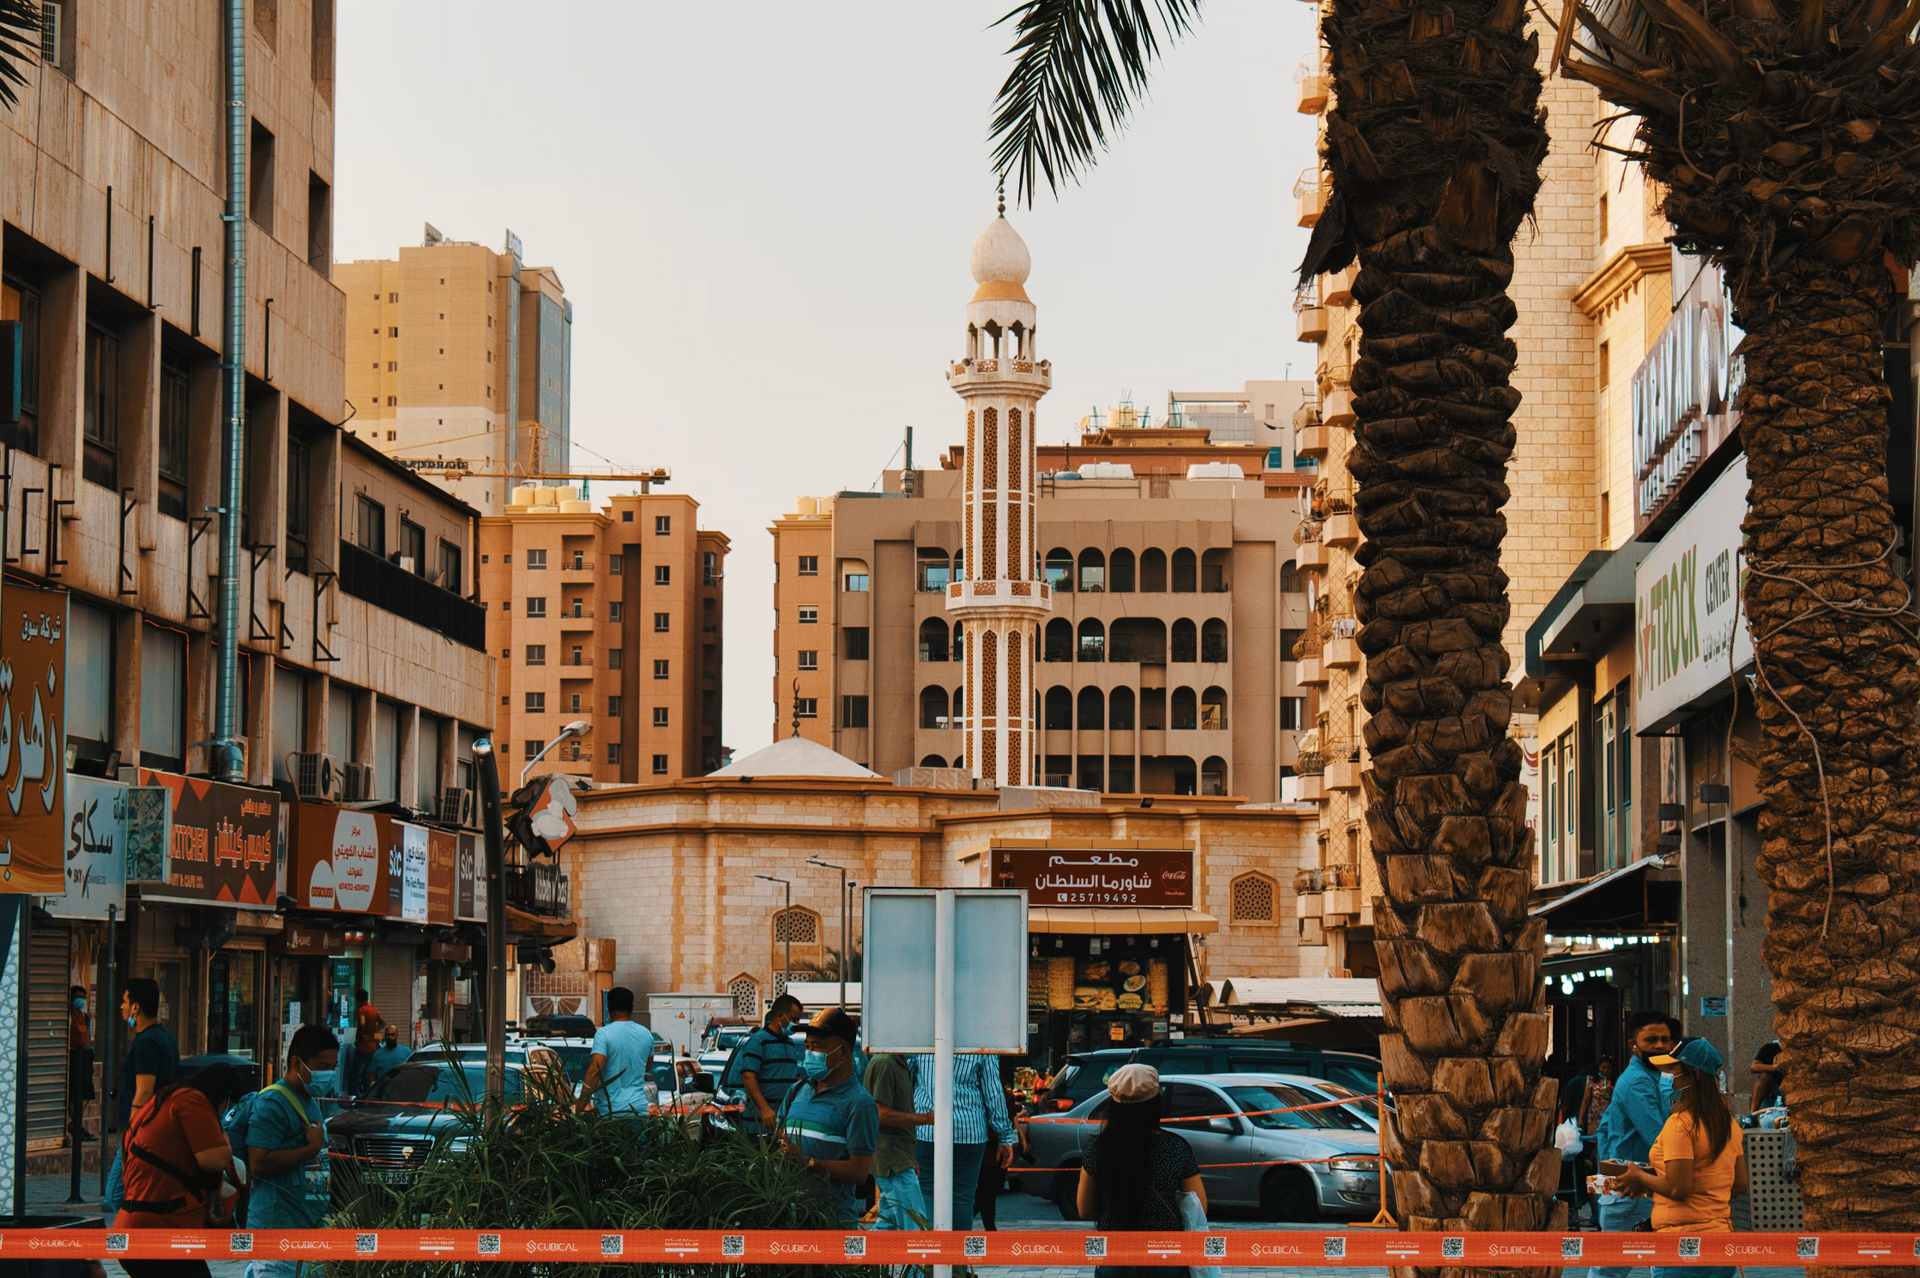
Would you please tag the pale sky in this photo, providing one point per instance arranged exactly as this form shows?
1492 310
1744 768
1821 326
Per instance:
762 214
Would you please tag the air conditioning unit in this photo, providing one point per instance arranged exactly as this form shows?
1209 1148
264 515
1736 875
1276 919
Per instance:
52 31
315 776
357 783
458 807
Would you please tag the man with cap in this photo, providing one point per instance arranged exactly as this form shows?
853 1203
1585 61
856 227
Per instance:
828 1119
1641 1101
1694 1178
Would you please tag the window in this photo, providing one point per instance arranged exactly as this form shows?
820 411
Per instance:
662 525
615 657
319 224
853 712
806 707
857 581
809 565
1603 366
662 622
56 36
626 516
1254 898
856 643
451 576
90 668
413 547
809 659
321 51
660 668
260 187
163 699
615 610
533 748
615 706
659 765
536 703
21 303
1293 711
536 561
536 654
536 605
660 716
663 574
809 616
613 753
101 462
710 568
370 525
616 564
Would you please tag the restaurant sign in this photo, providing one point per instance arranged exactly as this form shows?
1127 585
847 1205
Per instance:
354 862
224 845
33 735
1083 876
1683 394
1686 607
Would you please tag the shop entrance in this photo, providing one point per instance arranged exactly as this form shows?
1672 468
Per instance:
233 978
1089 992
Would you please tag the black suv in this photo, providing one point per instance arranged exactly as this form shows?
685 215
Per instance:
1085 1073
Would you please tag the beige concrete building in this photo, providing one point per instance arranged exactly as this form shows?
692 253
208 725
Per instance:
610 613
1591 286
459 363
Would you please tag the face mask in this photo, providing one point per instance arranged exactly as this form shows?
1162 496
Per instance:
320 1082
133 1022
1666 1084
816 1066
80 1004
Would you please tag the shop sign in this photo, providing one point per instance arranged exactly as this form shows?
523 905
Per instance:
1683 393
470 881
1686 608
33 734
149 833
442 849
413 873
223 844
304 940
1097 876
452 951
96 850
337 855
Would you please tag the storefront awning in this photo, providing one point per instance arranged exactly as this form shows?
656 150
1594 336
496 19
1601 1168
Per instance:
1326 997
1116 921
1632 898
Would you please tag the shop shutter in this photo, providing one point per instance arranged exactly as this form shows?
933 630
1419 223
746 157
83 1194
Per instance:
47 981
393 987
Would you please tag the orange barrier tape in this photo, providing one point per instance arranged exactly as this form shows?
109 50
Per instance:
1053 1247
1201 1118
1017 1168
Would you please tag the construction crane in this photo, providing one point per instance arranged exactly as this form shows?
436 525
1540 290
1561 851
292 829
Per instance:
494 468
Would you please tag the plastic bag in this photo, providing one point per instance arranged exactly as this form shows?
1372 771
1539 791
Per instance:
1193 1217
1567 1137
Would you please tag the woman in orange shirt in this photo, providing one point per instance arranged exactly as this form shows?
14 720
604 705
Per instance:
1699 1164
176 1156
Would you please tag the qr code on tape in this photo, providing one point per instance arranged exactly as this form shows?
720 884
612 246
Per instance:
116 1242
1096 1245
613 1244
240 1242
733 1244
489 1244
1215 1247
1334 1248
854 1245
1689 1248
1572 1248
366 1244
1452 1248
974 1245
1808 1248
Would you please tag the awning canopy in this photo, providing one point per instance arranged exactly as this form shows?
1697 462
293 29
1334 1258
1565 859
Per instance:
1633 898
1323 997
1118 921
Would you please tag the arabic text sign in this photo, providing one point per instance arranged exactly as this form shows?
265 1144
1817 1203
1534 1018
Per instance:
33 734
1686 606
413 882
1097 876
224 843
96 850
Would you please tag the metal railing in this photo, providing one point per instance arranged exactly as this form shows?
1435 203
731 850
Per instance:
537 885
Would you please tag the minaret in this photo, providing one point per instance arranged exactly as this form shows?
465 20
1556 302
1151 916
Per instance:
1000 598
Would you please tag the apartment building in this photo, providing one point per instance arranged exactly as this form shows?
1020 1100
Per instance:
459 363
1591 283
608 612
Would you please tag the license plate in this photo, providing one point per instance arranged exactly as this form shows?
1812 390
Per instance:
389 1177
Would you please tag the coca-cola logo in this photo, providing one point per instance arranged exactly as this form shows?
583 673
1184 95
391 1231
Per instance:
1178 872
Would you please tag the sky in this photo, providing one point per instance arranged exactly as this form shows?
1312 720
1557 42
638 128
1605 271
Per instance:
762 214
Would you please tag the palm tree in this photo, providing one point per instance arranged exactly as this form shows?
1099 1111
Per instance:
1434 150
1787 133
19 44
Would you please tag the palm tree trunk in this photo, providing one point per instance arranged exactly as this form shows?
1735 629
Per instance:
1839 691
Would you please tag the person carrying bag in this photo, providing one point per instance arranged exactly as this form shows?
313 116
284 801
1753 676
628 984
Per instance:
1136 1175
1699 1163
177 1162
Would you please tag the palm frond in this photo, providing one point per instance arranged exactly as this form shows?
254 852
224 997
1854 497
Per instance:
19 44
1079 67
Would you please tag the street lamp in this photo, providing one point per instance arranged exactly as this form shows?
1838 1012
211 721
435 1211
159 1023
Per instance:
814 860
578 728
786 924
494 839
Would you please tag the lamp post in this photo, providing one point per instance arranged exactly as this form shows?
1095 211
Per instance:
814 860
578 728
786 926
494 837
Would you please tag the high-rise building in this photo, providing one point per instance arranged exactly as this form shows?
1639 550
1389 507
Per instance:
459 364
611 615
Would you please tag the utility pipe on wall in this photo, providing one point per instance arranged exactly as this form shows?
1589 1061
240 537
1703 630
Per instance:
228 762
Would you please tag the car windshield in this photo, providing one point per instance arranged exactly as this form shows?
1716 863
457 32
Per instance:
1258 1102
411 1084
1365 1103
731 1037
1363 1079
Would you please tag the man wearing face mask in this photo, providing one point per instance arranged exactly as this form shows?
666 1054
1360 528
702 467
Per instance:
287 1145
152 1060
769 1064
79 1064
828 1118
1642 1099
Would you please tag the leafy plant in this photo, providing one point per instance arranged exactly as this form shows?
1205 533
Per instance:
19 44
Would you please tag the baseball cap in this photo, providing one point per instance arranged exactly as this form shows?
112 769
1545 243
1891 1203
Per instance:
1697 1052
833 1022
1131 1084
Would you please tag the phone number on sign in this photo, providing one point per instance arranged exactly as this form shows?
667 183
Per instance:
1094 898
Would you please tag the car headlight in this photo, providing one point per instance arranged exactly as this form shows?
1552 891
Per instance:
1354 1164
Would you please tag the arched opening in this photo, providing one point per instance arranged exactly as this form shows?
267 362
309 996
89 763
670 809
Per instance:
1059 710
933 761
1059 569
1017 333
933 706
1185 645
1138 639
1093 710
959 565
1093 572
1214 578
1153 572
1213 709
1185 571
1167 774
1120 570
796 931
1253 898
1290 578
746 996
934 568
1213 640
992 333
1093 641
959 642
1059 640
933 639
1186 709
973 342
960 706
1213 776
960 761
1120 713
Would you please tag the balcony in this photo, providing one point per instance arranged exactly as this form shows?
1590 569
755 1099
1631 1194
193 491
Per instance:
1311 98
1125 648
1310 324
1336 287
577 565
1340 902
536 885
1336 408
1342 654
1312 441
1309 198
1343 775
1342 530
582 662
1312 674
411 597
570 615
1312 789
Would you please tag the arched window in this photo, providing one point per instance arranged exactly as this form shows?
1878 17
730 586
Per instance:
933 706
1093 641
959 565
1289 578
1120 716
933 761
1059 640
1213 709
959 642
934 568
1093 571
1185 645
1093 708
1213 640
959 706
796 931
1059 710
1186 709
746 996
1120 570
1253 898
1214 578
1185 571
1153 571
933 639
1213 776
1138 639
1059 569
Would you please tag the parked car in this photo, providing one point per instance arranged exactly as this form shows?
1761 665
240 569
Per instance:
1227 1120
1086 1073
574 1053
719 1045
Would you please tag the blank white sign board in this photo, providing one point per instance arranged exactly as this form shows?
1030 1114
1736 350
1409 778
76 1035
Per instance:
989 966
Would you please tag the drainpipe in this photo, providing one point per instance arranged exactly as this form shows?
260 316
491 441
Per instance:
228 762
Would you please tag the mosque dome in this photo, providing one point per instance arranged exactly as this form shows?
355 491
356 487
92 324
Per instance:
1000 255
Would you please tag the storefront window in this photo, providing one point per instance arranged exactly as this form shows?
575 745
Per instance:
232 978
349 972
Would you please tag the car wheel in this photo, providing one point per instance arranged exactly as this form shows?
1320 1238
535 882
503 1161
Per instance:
1288 1194
1066 1193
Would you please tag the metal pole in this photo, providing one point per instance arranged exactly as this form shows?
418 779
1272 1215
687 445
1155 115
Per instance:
495 837
843 939
943 1067
23 916
786 964
107 1015
228 763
